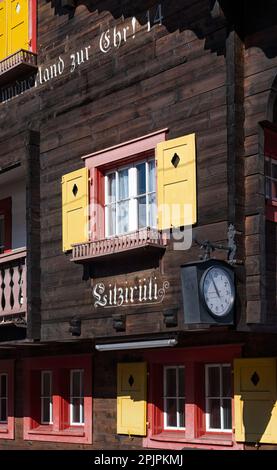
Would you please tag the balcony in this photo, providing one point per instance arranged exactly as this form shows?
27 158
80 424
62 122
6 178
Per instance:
150 240
13 286
17 65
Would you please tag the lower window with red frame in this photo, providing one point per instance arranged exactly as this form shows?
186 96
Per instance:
191 399
7 399
58 399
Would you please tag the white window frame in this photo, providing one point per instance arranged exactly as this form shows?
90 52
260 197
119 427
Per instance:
72 397
220 398
4 398
133 197
269 178
46 397
177 398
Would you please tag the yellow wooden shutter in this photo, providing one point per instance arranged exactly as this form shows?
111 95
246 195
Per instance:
3 29
18 28
75 208
131 398
255 400
176 182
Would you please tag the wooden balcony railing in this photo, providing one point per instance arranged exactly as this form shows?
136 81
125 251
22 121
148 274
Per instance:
13 283
118 244
21 62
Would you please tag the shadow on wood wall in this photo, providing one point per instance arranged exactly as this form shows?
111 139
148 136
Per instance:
255 22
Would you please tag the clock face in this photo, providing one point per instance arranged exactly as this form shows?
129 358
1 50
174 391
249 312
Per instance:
217 290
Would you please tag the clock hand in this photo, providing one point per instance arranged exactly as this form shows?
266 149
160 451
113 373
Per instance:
216 289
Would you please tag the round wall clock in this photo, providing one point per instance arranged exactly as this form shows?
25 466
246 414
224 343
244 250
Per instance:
217 291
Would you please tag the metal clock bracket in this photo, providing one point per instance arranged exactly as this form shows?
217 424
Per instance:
231 248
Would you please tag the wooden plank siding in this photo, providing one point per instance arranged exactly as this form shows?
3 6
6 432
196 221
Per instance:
195 73
183 75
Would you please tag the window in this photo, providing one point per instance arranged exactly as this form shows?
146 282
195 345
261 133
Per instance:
130 198
3 398
174 397
76 397
190 398
218 398
271 178
2 233
46 398
6 399
58 400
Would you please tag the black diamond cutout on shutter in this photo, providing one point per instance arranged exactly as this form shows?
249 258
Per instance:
175 160
75 190
131 380
255 379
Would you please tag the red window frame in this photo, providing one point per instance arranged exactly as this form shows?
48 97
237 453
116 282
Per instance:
7 429
102 161
33 25
60 430
270 151
6 211
195 434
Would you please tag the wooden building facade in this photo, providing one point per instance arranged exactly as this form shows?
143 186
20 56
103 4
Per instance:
138 210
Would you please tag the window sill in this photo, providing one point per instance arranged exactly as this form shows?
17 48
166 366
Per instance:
7 430
134 241
45 430
4 429
17 65
217 439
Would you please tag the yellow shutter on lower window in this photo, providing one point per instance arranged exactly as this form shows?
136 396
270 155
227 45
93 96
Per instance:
3 29
75 204
176 182
255 400
131 398
18 28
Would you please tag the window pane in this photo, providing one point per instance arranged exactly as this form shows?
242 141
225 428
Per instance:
170 383
214 408
123 184
181 382
46 415
76 416
268 188
227 414
182 413
3 386
274 189
214 382
82 383
111 188
111 212
171 413
226 381
82 411
3 408
152 176
152 210
46 384
142 212
76 385
274 170
141 178
123 217
2 233
268 167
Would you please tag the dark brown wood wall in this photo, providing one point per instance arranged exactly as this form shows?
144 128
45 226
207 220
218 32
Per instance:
260 76
173 77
